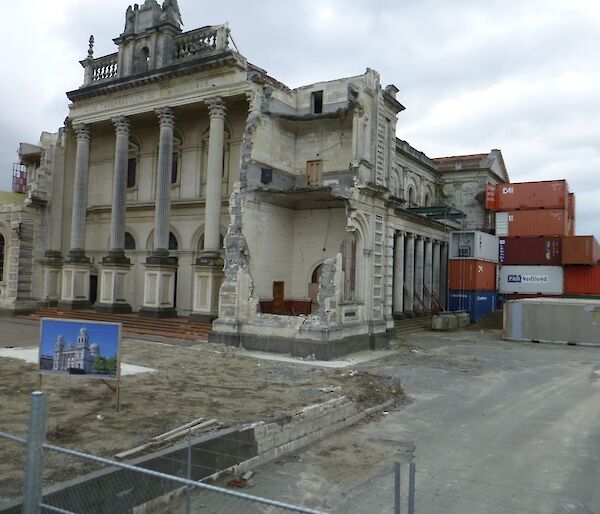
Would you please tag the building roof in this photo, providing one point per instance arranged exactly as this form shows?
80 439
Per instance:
458 162
492 161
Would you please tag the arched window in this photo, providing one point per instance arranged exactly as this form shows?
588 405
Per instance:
411 196
173 244
2 244
129 241
427 200
145 59
201 242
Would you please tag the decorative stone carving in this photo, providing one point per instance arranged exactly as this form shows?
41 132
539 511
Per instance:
216 107
171 12
121 124
166 117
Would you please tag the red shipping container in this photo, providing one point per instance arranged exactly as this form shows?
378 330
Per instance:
471 275
582 280
538 222
530 251
550 194
581 250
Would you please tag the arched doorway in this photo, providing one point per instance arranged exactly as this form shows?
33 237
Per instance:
313 288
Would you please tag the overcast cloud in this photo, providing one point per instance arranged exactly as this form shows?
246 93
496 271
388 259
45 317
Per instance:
523 77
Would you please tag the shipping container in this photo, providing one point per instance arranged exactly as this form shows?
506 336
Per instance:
582 280
476 303
549 194
530 251
538 222
471 275
581 250
552 320
473 244
531 280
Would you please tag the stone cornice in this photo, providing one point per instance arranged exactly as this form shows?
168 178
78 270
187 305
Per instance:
222 59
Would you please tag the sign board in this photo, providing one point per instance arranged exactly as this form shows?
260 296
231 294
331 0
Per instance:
86 348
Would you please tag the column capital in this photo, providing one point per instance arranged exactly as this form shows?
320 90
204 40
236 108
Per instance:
121 124
166 116
82 132
216 107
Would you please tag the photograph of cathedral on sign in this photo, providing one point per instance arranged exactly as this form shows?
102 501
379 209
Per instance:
80 348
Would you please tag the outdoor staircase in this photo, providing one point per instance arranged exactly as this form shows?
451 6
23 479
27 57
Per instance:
409 325
174 328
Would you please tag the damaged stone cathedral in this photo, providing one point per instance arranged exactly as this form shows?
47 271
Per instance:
188 182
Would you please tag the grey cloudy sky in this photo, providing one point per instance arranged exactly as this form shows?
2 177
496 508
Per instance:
474 75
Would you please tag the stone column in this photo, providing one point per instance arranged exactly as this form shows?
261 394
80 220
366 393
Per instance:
212 231
159 276
113 278
419 275
208 271
428 274
398 303
163 184
444 275
436 271
409 275
75 291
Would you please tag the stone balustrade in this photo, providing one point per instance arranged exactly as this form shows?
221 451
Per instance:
105 68
197 42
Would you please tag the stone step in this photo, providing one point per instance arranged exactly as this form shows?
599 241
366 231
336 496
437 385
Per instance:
178 328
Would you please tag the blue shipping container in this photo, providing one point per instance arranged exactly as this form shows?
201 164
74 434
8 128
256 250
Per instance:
476 303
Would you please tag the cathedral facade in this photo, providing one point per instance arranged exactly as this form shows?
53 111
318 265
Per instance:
187 181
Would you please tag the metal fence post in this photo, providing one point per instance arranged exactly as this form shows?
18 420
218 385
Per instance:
412 471
397 488
36 436
189 474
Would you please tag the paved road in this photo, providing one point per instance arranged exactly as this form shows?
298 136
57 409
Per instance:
494 428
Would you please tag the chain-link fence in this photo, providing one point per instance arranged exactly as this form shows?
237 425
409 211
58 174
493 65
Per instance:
99 485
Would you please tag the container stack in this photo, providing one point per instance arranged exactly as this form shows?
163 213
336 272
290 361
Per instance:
581 258
532 219
539 255
472 273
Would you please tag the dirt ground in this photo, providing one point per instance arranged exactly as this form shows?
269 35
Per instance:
191 381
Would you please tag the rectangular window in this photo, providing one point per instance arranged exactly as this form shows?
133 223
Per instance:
313 173
316 102
348 251
131 172
174 168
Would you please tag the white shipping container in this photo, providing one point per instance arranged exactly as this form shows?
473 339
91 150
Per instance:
531 280
502 224
473 244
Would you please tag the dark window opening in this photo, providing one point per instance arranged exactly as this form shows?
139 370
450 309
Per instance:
146 58
173 245
131 172
317 102
129 241
174 168
221 242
